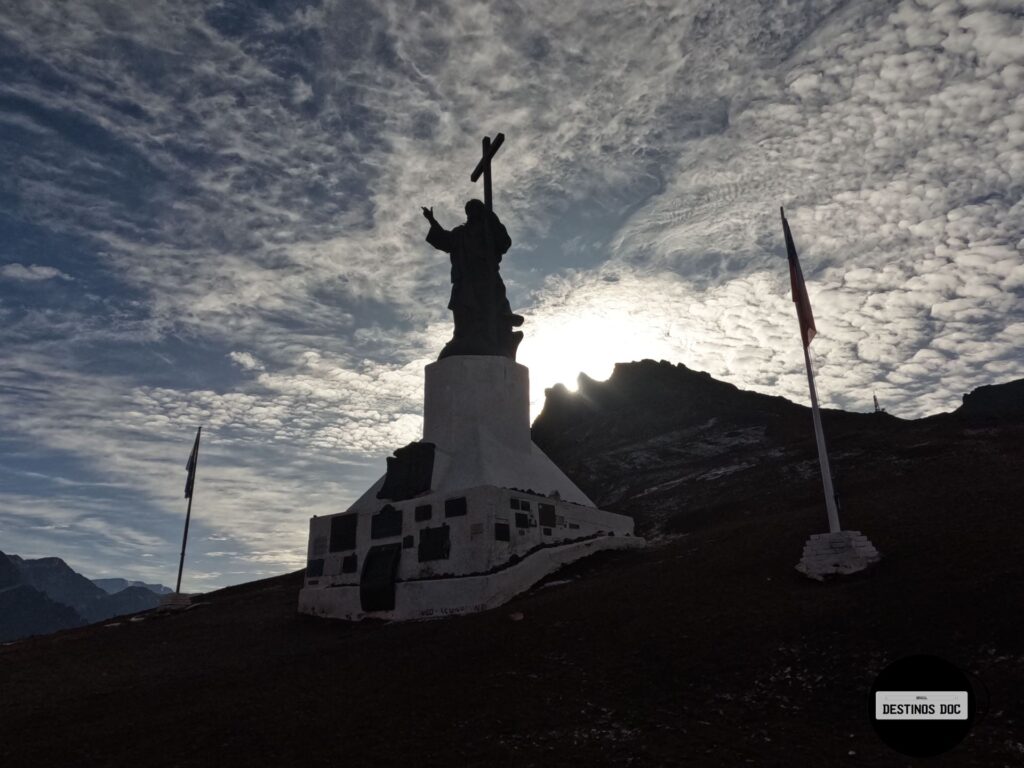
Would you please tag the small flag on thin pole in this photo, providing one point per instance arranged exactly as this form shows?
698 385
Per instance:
190 465
807 333
190 484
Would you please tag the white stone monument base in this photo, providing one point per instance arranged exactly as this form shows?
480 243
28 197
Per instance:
497 517
836 554
440 597
448 553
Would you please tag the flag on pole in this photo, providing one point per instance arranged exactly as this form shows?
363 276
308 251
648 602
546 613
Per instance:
807 331
191 466
796 278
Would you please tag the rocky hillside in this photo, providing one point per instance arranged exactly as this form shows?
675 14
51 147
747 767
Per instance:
705 649
677 449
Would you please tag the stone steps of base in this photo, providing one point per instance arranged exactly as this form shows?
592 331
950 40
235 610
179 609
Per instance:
816 562
865 550
839 546
838 550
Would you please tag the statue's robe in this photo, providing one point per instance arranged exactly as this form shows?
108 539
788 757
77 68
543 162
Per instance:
478 299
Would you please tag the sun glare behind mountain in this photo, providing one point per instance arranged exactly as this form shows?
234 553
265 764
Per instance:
566 345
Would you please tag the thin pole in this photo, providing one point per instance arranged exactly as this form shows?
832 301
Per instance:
181 563
190 489
826 473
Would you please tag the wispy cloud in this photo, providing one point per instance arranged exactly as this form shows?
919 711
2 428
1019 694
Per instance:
30 272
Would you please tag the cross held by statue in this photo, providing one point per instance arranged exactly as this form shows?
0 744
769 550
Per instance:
490 149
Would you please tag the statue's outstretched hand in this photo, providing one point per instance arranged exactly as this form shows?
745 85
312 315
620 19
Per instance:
429 214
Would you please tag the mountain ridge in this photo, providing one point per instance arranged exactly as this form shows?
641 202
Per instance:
113 586
678 430
58 596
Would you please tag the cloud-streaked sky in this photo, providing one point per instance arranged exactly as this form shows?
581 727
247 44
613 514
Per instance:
210 214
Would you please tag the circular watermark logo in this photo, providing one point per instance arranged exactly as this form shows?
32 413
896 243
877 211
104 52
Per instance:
922 706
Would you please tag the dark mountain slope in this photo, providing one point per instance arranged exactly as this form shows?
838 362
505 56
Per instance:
674 447
26 611
999 401
55 578
9 573
708 650
49 589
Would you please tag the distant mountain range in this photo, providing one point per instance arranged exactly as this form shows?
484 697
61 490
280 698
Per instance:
113 586
45 595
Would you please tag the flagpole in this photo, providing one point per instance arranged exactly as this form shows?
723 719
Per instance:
190 485
837 552
181 563
807 333
819 435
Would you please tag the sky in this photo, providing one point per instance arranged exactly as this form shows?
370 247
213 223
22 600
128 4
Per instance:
210 215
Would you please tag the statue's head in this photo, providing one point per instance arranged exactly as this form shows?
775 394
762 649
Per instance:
476 210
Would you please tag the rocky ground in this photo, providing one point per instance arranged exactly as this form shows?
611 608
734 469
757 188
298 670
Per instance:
707 648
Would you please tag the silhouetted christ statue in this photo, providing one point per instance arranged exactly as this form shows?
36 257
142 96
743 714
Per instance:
483 318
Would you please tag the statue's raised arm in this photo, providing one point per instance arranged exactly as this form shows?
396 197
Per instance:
438 236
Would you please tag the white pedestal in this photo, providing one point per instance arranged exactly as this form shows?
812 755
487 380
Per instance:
836 554
476 410
464 395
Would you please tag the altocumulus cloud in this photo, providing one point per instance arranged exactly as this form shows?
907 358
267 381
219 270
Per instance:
235 190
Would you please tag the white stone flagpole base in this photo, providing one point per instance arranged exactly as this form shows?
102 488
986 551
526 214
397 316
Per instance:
836 554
